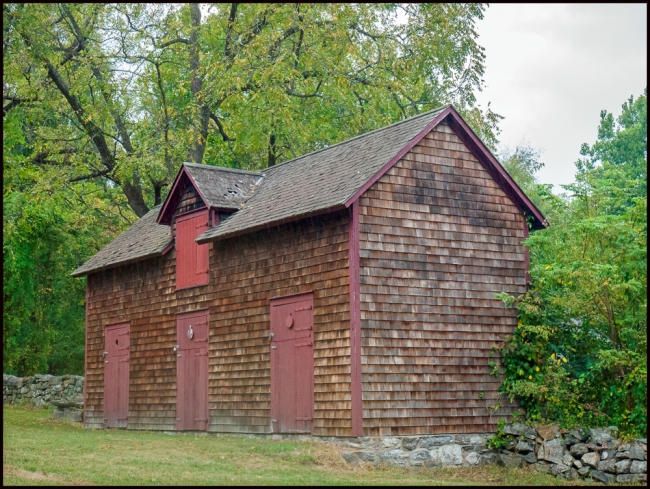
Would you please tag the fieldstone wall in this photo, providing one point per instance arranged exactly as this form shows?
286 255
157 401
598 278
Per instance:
594 453
65 393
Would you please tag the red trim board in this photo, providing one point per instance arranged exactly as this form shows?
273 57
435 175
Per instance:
355 323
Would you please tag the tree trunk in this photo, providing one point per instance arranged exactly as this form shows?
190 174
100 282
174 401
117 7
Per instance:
272 151
201 124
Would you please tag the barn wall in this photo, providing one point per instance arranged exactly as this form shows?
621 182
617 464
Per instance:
310 255
248 270
438 238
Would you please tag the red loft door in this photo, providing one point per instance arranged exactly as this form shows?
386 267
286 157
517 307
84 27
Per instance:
191 257
292 364
192 372
116 376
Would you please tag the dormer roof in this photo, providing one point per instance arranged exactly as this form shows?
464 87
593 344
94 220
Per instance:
219 188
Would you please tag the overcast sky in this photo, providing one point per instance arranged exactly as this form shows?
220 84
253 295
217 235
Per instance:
551 69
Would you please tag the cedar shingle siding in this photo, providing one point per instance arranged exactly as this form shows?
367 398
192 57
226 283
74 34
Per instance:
437 239
439 232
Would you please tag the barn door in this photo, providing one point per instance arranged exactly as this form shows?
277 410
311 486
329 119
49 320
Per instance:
292 364
192 371
116 375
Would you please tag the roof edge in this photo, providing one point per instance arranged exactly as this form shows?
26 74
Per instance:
164 217
345 141
156 254
399 155
496 170
480 151
267 225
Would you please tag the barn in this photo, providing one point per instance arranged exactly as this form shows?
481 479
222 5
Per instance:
347 292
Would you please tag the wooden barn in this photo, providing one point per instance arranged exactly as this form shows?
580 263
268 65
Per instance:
347 292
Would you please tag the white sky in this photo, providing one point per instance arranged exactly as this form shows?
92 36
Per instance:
551 69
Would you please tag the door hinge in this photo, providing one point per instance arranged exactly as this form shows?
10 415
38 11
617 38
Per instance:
274 420
178 419
271 347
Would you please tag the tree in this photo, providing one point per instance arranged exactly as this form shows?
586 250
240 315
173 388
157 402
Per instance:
102 102
137 88
522 164
587 307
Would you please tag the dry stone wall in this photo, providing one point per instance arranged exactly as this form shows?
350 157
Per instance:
65 393
595 453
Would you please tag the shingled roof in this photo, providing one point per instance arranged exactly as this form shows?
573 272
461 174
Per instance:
224 188
144 239
219 188
325 180
322 180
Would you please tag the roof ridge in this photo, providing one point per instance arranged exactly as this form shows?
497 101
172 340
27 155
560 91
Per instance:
438 109
221 168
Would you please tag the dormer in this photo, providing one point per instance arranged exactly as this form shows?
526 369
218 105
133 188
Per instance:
200 198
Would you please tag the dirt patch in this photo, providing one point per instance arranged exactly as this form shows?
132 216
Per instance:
9 471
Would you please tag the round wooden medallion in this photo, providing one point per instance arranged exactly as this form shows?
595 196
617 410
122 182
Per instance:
289 321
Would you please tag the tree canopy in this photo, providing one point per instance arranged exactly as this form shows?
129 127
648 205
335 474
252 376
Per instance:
580 353
121 94
102 102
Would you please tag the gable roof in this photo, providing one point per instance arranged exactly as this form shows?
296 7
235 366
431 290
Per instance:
335 177
144 239
322 181
220 188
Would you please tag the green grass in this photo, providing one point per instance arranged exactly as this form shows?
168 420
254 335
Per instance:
38 450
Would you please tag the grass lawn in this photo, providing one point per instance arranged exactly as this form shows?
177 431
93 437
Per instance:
40 450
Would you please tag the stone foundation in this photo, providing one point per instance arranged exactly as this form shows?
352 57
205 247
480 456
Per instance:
594 453
420 451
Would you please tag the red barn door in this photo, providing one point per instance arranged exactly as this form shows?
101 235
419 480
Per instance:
192 372
116 375
292 364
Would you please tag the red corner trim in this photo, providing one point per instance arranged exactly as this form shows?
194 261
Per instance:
86 354
164 217
526 253
355 323
399 155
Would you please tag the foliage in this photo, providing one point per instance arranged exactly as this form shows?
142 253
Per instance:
122 93
522 164
579 352
47 232
500 439
102 102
